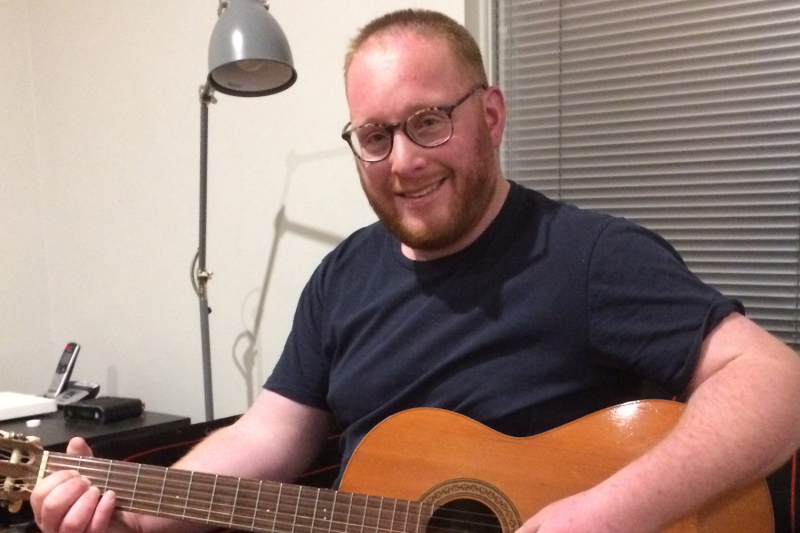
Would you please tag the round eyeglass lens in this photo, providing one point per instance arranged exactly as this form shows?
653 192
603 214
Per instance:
429 127
373 141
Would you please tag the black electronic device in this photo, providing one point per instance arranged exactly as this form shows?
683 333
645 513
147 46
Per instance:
104 409
63 370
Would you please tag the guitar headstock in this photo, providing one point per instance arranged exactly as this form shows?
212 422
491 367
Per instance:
20 457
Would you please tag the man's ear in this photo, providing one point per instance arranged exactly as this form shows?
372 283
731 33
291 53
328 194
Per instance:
494 104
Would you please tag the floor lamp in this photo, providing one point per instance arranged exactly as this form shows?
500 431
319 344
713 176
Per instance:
248 55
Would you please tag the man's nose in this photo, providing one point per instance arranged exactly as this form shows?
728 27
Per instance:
406 156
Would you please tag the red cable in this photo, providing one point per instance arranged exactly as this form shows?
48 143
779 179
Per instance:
185 444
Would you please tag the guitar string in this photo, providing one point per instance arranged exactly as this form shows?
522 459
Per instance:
125 469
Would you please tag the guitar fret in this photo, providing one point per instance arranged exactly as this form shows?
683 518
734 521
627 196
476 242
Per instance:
151 488
236 495
135 483
305 516
108 476
405 517
372 514
173 487
161 492
296 508
349 510
226 498
188 491
378 519
332 513
394 510
314 516
211 500
235 501
315 512
340 514
144 489
364 516
277 505
255 508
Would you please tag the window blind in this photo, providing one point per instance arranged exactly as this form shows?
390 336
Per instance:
683 115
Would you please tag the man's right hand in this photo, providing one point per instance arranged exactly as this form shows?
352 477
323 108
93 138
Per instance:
66 502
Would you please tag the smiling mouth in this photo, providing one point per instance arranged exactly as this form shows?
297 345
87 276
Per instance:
423 192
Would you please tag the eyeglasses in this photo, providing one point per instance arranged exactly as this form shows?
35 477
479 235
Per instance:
429 127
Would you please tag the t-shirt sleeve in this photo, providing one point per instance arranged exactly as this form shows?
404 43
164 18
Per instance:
648 313
302 372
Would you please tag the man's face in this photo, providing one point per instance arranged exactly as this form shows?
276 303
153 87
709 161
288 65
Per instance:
434 200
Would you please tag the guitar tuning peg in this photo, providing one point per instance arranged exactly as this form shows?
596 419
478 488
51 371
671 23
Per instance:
12 506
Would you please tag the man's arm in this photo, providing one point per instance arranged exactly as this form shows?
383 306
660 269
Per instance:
742 421
275 439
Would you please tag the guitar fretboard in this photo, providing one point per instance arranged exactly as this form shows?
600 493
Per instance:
243 504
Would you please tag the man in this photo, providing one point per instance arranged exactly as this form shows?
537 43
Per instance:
476 295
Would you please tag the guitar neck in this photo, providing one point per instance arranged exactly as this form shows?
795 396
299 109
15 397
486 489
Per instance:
240 503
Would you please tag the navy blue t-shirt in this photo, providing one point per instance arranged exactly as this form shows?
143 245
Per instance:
552 313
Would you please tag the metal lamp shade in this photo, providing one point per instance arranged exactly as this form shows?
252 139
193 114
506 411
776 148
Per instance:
248 54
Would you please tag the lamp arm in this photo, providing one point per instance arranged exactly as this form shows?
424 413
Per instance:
206 98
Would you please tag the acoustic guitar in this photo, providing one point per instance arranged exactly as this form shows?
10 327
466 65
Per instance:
421 470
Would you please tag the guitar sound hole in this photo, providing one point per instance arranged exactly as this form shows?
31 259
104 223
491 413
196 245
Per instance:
464 516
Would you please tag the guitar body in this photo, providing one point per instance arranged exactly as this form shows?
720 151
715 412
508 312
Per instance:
442 458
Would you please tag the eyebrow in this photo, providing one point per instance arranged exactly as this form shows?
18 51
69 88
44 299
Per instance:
405 116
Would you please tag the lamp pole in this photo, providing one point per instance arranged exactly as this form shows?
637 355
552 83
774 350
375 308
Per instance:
201 275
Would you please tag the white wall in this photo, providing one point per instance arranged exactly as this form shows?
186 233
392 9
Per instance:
25 319
99 144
